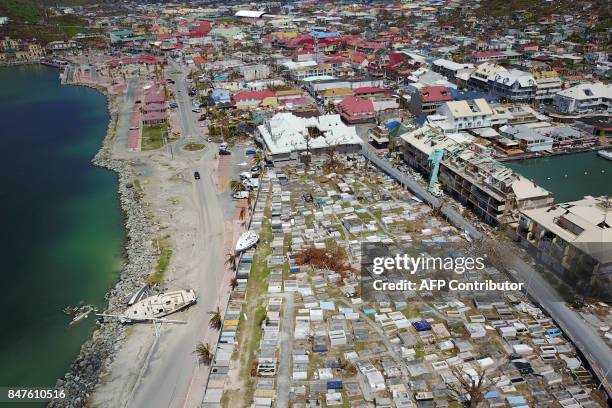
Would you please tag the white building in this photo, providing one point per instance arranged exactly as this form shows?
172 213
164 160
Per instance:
460 115
449 68
286 135
485 72
548 84
585 98
513 85
255 71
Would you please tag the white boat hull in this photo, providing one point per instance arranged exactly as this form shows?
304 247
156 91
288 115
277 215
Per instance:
246 241
606 154
157 306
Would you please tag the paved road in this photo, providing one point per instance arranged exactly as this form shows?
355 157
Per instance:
173 377
182 98
123 122
286 350
580 332
172 371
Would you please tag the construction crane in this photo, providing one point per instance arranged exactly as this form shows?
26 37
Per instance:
435 158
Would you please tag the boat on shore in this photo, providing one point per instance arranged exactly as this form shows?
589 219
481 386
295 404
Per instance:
606 154
138 295
158 306
246 240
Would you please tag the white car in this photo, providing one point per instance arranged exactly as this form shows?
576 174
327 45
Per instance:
239 195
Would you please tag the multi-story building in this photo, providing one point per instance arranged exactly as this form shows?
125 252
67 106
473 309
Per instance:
585 98
429 98
450 69
575 240
548 84
479 79
461 115
493 191
513 86
17 51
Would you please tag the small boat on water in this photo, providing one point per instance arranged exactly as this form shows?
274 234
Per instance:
246 240
606 154
157 306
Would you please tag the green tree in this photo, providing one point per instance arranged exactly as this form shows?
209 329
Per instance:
216 321
230 259
203 352
236 186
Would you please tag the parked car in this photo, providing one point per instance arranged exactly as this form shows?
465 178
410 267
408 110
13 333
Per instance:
239 195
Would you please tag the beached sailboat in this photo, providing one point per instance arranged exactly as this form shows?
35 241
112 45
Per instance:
157 306
246 240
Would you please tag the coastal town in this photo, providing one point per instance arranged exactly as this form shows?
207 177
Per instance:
270 154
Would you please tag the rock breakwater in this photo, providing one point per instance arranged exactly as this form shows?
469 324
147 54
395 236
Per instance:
97 353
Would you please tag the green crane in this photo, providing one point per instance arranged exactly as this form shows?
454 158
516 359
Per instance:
434 158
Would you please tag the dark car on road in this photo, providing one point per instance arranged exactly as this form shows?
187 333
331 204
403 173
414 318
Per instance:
196 175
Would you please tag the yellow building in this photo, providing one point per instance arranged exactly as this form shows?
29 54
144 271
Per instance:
18 51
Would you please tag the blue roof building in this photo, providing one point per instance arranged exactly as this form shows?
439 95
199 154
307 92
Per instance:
221 95
323 34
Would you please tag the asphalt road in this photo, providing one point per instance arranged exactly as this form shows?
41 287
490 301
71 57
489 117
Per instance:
183 99
167 381
123 122
286 352
172 376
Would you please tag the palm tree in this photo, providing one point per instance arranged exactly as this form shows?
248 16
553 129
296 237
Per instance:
203 352
234 283
230 259
236 186
257 159
250 199
216 321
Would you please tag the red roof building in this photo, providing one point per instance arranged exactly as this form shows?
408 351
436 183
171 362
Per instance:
251 98
428 99
356 110
368 91
153 118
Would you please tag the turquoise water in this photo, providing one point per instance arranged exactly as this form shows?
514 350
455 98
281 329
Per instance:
62 228
569 177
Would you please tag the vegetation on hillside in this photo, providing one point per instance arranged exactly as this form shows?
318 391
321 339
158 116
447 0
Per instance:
21 10
28 20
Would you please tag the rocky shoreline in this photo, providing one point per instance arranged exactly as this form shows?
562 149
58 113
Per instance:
97 352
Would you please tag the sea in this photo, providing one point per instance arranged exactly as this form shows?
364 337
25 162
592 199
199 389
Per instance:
62 233
568 177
